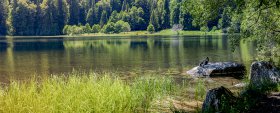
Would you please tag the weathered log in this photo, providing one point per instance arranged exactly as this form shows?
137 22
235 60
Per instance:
218 69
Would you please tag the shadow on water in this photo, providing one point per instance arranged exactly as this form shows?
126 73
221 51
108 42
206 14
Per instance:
38 45
3 46
139 44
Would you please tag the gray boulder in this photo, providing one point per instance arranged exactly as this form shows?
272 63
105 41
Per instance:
263 74
218 69
216 98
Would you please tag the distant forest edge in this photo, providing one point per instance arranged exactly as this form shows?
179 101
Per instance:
57 17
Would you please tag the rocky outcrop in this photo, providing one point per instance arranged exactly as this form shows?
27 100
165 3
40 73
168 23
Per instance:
263 77
218 69
263 74
215 98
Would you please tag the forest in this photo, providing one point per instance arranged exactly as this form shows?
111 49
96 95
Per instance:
257 18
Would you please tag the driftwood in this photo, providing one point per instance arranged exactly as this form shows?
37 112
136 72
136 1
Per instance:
218 69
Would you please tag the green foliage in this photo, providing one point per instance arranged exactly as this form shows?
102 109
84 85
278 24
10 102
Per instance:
114 17
3 17
73 30
135 18
119 26
103 19
200 90
23 18
122 26
165 15
48 17
81 92
154 20
96 28
87 28
214 29
109 28
175 12
126 27
204 29
151 28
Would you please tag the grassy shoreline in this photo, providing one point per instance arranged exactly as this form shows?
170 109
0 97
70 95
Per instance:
167 32
89 92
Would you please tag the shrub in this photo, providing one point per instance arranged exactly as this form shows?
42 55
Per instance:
118 26
87 28
126 27
214 29
96 28
151 28
122 26
204 29
65 29
109 28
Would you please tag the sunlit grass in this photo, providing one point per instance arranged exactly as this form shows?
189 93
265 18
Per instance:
80 92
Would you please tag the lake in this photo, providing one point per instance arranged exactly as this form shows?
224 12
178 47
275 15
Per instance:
132 56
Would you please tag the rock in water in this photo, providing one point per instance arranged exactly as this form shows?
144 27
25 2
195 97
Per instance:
263 74
218 69
215 98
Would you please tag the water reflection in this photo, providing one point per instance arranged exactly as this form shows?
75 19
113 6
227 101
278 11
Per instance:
126 55
3 46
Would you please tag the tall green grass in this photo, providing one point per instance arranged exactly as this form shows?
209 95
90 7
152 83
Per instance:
80 92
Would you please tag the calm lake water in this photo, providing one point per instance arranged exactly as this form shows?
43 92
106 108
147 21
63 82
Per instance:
25 57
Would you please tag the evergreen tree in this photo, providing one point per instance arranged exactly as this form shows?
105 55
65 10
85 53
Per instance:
74 12
91 16
165 15
23 17
114 17
3 17
103 19
175 12
63 14
154 20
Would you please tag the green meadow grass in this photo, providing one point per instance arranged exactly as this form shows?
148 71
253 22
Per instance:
80 92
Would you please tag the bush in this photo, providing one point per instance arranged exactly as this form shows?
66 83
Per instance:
204 29
126 27
65 29
122 26
71 30
118 26
214 29
151 28
96 28
87 28
109 28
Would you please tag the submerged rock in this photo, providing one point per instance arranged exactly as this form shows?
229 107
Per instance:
215 98
218 69
263 74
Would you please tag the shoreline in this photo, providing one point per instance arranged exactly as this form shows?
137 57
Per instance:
167 32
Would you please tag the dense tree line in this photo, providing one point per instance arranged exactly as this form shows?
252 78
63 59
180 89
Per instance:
49 17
